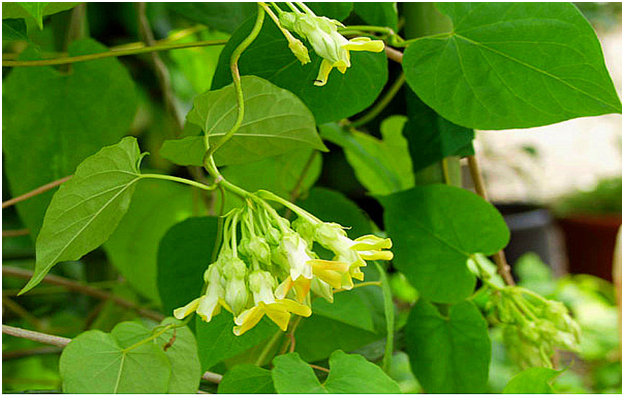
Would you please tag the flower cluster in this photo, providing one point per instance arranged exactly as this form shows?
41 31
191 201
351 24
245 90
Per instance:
322 34
267 266
534 326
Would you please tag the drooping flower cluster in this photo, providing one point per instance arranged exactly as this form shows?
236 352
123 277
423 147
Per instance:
322 34
534 326
267 266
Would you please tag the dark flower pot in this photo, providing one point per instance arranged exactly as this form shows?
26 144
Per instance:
590 242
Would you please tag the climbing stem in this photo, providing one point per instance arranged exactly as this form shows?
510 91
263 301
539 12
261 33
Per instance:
179 180
383 102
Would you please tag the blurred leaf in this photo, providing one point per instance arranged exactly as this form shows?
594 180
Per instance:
332 9
435 230
431 137
179 346
535 380
133 247
13 29
382 166
226 17
29 9
96 362
247 379
184 254
275 122
348 373
62 118
87 208
35 10
512 65
344 94
378 13
449 354
535 274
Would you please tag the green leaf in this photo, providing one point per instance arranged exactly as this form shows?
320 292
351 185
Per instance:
378 13
292 375
512 65
435 230
184 254
389 313
279 174
180 349
448 354
62 118
133 247
535 380
348 373
332 9
247 379
226 17
431 137
216 340
349 308
87 208
95 362
382 166
34 10
344 94
275 122
13 29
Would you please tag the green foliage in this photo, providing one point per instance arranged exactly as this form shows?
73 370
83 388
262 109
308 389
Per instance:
275 121
34 10
348 373
344 94
13 29
382 166
73 114
132 248
512 65
379 14
87 208
449 353
535 380
605 198
247 379
436 229
226 17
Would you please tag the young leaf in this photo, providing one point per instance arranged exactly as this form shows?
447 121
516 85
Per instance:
435 229
512 65
535 380
344 94
133 247
275 122
382 166
184 254
348 373
448 354
247 379
378 13
180 349
87 208
96 362
62 118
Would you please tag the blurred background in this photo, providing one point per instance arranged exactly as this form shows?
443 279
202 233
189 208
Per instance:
559 188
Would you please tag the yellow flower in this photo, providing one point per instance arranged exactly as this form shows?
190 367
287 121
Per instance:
301 286
279 311
210 304
370 247
356 44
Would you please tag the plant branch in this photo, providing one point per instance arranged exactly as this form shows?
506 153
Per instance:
35 336
15 233
395 55
499 258
37 191
383 102
83 289
212 377
110 54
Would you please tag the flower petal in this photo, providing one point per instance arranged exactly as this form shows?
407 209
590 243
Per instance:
323 74
295 307
364 44
248 319
184 311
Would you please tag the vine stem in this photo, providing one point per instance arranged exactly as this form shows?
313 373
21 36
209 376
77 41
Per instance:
62 342
111 54
383 102
267 349
83 289
395 55
499 258
35 192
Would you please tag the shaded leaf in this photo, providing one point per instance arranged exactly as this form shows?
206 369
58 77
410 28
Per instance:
226 17
449 354
378 13
87 208
435 230
332 9
247 379
62 118
344 94
512 65
13 29
133 247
